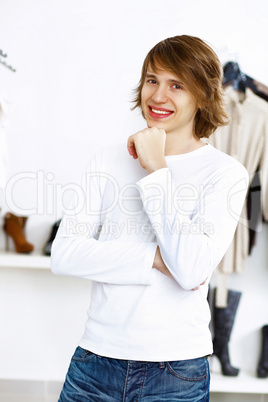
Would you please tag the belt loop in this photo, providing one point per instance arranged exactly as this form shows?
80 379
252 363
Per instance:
161 365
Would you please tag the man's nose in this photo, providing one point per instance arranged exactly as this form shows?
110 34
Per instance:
160 94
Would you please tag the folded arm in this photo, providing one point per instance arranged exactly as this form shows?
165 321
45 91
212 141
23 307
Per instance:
193 243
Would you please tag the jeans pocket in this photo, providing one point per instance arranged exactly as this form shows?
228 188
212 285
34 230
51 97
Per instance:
189 370
81 354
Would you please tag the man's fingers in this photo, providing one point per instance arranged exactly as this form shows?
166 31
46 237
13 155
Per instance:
132 151
131 148
203 283
197 287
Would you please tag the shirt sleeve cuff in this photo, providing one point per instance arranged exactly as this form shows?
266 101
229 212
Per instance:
155 177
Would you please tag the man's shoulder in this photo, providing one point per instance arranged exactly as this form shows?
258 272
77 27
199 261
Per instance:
223 161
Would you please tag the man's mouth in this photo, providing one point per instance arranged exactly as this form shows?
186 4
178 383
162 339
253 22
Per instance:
159 112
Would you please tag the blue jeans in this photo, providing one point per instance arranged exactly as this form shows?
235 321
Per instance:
100 379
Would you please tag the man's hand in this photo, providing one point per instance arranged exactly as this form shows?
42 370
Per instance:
149 146
161 266
159 263
203 283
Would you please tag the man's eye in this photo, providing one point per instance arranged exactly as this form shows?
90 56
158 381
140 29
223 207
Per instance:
152 81
177 86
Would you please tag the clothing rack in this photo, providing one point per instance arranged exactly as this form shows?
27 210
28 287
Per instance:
240 81
2 54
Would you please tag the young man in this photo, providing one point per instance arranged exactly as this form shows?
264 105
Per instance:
149 233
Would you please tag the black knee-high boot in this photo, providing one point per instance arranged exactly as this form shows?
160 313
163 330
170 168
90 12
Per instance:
223 319
262 370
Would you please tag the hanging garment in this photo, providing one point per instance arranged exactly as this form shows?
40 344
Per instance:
245 139
254 209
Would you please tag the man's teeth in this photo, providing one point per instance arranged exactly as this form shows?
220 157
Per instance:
160 111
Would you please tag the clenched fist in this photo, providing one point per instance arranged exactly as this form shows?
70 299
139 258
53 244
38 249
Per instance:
149 146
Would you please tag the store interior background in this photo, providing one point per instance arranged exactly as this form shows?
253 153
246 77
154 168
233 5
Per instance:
77 64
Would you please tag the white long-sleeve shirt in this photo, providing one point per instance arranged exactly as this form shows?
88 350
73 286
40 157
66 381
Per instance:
110 234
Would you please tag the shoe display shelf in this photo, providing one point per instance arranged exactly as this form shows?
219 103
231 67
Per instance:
244 383
9 259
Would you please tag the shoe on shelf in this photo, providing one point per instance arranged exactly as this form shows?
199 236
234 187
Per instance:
223 319
48 245
14 227
262 370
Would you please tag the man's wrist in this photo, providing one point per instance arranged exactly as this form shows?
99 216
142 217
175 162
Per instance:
157 166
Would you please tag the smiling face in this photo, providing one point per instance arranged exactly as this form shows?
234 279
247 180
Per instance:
167 103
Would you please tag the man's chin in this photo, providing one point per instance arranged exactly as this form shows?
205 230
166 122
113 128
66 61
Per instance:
155 124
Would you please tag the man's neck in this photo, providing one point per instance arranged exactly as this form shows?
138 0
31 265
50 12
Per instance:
176 145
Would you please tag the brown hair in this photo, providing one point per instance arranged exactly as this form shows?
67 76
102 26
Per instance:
198 66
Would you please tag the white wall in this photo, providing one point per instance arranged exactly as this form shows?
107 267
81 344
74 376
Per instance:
77 63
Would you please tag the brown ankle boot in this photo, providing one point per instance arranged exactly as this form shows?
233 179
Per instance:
14 227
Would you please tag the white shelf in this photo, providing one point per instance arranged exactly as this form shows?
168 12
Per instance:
244 383
16 260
